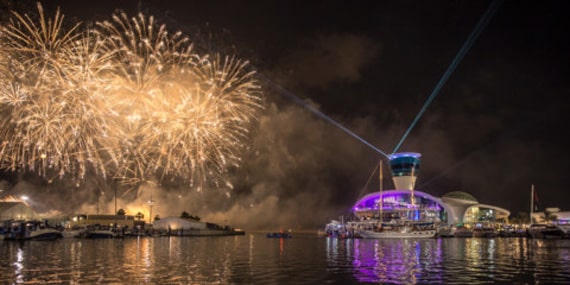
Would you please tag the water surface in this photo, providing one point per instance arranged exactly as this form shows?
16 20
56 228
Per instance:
303 259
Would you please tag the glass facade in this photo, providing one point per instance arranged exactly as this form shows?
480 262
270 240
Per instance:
399 205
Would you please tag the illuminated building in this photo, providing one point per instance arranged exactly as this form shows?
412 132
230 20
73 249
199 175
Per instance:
108 220
407 203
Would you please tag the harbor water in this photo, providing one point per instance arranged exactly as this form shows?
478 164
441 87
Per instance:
303 259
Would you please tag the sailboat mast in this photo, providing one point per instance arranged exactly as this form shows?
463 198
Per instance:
381 189
531 201
413 186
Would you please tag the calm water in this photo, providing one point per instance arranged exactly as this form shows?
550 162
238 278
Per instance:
303 259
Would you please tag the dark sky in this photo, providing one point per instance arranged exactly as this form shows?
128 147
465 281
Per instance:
497 126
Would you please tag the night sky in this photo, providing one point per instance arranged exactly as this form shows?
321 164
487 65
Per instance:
496 127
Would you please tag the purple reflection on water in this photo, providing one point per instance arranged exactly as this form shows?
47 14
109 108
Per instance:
401 261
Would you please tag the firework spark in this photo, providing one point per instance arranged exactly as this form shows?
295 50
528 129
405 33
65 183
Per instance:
127 98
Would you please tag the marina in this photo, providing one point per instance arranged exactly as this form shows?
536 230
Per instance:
408 213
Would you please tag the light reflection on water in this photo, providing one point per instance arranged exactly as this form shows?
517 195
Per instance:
303 259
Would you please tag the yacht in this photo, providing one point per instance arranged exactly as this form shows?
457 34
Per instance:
544 231
35 230
407 229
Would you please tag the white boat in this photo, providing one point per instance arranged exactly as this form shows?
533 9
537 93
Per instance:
399 230
44 234
21 231
544 231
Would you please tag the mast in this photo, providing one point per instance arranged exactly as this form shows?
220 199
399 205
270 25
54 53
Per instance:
531 202
413 186
381 198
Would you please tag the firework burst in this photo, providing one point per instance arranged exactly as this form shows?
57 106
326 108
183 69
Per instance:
52 119
127 98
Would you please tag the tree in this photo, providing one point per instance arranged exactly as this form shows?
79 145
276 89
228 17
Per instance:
185 215
156 218
121 212
139 216
521 218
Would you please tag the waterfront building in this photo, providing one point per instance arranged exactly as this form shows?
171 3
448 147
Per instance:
405 202
107 220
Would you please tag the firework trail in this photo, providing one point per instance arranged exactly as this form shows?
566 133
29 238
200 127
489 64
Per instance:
126 98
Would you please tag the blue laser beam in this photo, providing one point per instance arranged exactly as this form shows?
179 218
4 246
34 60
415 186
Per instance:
299 101
466 46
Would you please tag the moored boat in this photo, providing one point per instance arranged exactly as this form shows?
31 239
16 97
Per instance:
483 231
406 229
21 231
544 231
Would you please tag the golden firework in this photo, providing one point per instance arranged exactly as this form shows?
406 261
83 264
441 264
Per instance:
127 98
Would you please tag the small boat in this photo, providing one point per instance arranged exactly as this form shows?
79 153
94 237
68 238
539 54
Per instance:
278 235
21 231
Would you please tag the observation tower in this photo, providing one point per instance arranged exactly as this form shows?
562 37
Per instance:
405 168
